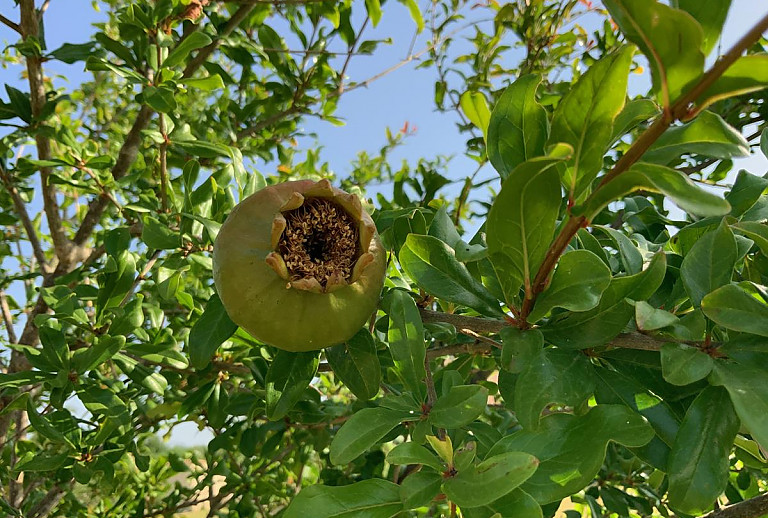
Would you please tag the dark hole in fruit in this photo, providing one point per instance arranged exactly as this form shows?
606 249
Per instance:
320 240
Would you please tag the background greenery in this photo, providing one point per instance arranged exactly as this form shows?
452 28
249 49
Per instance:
581 343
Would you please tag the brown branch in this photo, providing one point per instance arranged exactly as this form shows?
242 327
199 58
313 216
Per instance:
26 221
203 54
13 25
30 27
7 318
681 109
51 499
752 508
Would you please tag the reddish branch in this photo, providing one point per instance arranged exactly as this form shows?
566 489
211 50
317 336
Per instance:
682 109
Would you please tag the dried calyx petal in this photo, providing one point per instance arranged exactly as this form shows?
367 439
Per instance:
319 245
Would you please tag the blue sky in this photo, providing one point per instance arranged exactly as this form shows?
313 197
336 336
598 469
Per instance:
404 95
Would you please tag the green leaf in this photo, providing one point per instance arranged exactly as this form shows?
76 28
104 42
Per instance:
747 384
43 426
584 118
373 7
161 99
649 318
443 229
433 266
747 74
141 374
460 406
572 448
557 376
698 465
516 503
577 284
709 265
491 479
601 324
475 107
213 82
287 378
745 192
40 462
412 453
158 236
733 308
518 126
415 12
420 488
710 15
365 428
100 351
73 52
19 103
117 280
682 364
521 223
671 40
373 498
708 135
356 364
520 348
657 178
211 330
758 232
406 341
193 41
634 112
630 256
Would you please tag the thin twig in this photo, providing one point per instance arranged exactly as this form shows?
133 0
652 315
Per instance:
7 318
203 54
143 275
9 23
26 221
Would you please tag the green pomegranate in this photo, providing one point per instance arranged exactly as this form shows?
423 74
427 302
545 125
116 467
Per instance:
299 265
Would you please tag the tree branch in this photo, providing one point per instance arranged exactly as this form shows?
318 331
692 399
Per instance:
231 25
26 221
30 27
13 25
681 109
752 508
7 318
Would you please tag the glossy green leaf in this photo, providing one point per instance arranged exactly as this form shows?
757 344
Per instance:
710 15
557 376
406 341
412 453
356 364
682 364
747 384
460 406
43 426
747 74
193 41
475 108
709 265
141 374
444 229
161 99
288 376
158 236
518 126
577 284
491 479
656 178
671 40
630 256
517 504
758 232
375 498
733 308
211 330
572 448
432 264
373 7
117 280
698 464
420 488
102 349
365 428
649 318
745 192
415 12
708 135
584 118
601 324
634 112
520 348
521 223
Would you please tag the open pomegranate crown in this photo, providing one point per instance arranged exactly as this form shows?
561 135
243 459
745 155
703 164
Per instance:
321 239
